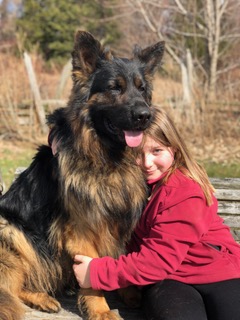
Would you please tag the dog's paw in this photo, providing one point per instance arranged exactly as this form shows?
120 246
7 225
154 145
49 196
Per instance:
92 305
50 305
110 315
41 301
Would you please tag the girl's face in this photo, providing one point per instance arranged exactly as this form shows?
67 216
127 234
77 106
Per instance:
154 159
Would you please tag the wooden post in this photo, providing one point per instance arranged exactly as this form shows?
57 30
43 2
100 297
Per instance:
35 90
187 97
66 73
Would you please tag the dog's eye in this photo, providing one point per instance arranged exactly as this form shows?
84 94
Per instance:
141 88
115 89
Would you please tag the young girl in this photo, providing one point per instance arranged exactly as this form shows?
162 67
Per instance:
181 251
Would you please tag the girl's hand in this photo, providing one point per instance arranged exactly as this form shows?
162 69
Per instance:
81 270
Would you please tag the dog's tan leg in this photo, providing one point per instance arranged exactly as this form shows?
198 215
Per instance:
91 303
93 306
40 301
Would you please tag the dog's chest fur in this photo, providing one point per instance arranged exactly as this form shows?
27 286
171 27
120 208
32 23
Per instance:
116 194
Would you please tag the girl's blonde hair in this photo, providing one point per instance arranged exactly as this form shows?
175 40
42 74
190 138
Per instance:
163 130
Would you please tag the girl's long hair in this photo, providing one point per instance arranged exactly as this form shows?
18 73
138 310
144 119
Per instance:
163 130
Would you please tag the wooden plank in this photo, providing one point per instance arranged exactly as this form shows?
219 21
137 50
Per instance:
18 171
57 102
236 234
232 221
228 207
226 183
226 194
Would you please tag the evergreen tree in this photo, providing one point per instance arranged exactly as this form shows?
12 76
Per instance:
51 24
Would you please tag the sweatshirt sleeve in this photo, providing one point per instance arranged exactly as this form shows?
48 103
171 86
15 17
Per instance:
161 252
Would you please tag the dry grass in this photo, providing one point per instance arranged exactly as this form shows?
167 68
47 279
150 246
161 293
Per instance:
16 100
212 131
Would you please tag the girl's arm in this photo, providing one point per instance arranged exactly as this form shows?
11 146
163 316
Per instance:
160 254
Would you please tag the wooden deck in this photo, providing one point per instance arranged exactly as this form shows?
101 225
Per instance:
228 195
69 310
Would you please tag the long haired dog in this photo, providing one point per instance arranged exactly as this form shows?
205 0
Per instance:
87 198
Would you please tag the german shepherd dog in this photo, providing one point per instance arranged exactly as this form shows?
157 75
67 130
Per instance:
85 194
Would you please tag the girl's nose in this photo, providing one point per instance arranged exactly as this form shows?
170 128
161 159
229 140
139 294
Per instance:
147 161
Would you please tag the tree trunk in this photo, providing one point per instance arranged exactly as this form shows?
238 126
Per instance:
214 10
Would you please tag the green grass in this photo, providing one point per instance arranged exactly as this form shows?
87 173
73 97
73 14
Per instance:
222 170
12 160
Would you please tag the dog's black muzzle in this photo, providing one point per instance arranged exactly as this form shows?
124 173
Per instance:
141 117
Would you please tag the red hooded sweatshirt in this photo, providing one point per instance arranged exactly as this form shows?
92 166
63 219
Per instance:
178 237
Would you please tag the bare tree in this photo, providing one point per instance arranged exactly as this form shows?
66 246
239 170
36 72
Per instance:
8 14
198 35
218 29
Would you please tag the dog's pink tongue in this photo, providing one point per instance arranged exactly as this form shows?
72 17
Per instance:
133 138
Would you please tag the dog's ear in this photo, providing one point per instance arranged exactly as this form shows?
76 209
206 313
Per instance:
151 56
87 53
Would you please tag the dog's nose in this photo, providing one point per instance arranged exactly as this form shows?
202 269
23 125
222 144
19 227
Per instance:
141 116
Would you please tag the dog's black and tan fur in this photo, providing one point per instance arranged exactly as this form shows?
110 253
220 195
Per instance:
86 198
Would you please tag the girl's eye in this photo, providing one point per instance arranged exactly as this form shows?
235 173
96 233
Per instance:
157 151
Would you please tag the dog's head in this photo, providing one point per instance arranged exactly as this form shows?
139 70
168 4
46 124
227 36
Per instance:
116 91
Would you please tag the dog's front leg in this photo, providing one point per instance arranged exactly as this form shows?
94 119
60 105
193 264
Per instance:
93 306
91 303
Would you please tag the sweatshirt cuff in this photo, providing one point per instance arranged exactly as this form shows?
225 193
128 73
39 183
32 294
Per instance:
94 274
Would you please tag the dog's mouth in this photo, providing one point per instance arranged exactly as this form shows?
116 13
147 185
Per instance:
132 138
